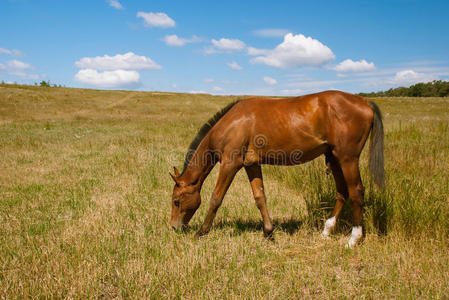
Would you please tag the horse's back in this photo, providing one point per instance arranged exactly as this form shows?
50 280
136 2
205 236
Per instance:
321 109
310 123
332 98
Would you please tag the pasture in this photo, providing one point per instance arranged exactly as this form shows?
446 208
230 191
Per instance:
85 206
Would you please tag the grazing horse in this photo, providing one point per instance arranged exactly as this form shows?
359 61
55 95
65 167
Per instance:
290 131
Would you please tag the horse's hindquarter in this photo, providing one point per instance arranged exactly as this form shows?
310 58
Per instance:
350 118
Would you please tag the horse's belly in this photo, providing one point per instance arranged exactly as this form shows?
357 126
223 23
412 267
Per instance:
288 154
294 157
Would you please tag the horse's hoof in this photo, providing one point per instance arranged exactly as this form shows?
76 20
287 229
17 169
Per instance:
199 234
329 226
268 232
325 236
356 236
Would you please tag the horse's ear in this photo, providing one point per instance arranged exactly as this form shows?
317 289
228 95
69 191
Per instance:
174 178
176 172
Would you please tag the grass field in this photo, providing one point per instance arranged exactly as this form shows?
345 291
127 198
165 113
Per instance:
85 206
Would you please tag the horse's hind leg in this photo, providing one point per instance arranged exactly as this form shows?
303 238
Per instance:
351 172
254 173
342 194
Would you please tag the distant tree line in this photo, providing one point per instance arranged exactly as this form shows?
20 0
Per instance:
43 83
47 83
436 88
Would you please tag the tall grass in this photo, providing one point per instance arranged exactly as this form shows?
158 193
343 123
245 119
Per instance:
415 200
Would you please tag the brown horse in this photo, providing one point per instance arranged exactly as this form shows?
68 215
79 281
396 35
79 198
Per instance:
289 131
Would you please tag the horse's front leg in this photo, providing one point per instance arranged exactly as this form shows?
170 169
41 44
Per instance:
254 173
228 169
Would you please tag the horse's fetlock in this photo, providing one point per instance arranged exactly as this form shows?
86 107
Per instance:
268 229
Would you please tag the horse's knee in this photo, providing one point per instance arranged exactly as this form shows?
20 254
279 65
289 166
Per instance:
361 190
215 203
260 200
341 198
357 194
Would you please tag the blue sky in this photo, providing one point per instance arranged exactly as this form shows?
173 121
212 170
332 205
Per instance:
225 47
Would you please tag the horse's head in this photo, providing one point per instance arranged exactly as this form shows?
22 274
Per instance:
185 201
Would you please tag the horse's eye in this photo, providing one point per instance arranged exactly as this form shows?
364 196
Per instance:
176 203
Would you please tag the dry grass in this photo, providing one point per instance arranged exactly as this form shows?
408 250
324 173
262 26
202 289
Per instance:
85 205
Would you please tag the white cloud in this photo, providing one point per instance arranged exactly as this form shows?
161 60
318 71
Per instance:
254 51
13 52
174 40
18 65
18 68
228 44
271 32
292 92
269 80
294 51
108 79
217 89
235 66
159 19
208 80
113 71
210 50
197 92
115 4
349 65
128 61
409 77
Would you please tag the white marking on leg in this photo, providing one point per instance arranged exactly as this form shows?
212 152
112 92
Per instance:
356 235
329 226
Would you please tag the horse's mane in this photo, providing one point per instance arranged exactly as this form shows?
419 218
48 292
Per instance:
203 131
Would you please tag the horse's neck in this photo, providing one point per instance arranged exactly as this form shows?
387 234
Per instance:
199 166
